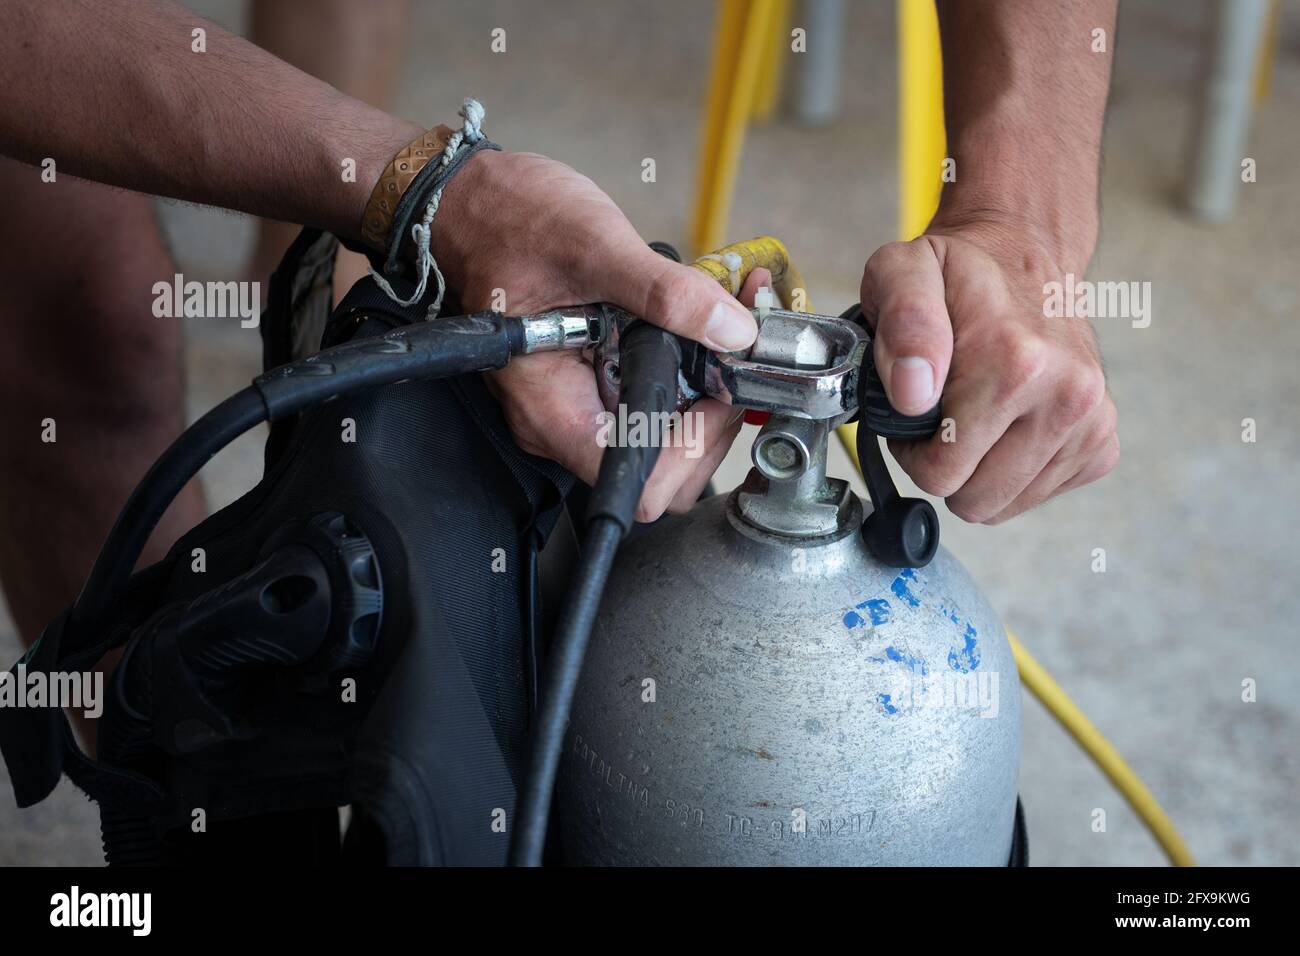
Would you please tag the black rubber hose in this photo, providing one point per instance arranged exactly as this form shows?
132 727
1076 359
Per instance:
164 481
427 350
649 362
562 671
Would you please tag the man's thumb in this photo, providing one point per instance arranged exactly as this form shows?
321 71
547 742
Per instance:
903 301
682 300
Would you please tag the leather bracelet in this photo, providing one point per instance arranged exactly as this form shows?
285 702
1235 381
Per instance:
412 202
377 221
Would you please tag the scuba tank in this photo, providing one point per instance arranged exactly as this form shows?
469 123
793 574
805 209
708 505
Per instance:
763 689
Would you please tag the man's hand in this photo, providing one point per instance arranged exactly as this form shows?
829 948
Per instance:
959 312
546 236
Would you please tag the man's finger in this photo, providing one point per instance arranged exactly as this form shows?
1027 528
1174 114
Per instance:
1079 462
1006 471
941 465
903 300
680 299
711 424
756 280
693 484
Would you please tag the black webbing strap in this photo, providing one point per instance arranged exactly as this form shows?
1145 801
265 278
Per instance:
39 745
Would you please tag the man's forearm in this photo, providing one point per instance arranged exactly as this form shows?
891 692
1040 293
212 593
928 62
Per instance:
114 92
1024 100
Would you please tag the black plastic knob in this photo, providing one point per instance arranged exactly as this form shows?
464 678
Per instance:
900 532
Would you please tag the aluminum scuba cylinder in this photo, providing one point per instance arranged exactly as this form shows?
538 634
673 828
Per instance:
761 689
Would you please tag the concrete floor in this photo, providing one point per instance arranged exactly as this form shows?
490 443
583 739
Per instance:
1199 527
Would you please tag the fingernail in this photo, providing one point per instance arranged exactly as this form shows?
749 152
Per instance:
730 326
911 384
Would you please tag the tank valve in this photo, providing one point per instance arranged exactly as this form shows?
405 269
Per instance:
789 493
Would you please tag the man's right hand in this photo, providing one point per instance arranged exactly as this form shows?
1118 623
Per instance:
547 236
959 311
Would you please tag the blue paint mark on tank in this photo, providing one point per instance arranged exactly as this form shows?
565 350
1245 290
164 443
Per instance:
877 612
901 589
914 664
968 658
914 685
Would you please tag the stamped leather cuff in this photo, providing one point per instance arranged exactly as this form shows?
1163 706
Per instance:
377 221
